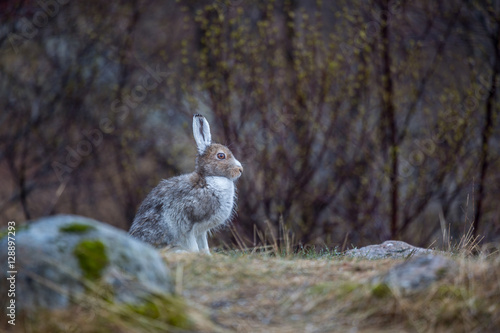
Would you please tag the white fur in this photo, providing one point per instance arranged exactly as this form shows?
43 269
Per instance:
202 242
237 163
190 242
224 189
201 133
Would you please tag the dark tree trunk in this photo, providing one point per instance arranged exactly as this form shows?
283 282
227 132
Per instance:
486 133
389 118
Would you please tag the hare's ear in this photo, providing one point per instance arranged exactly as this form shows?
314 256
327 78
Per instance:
201 132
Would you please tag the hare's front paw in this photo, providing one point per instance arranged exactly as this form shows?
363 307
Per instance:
206 251
179 251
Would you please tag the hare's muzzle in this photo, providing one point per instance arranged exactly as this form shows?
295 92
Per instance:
239 168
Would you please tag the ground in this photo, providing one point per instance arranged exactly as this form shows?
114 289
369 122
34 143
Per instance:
241 291
265 294
259 293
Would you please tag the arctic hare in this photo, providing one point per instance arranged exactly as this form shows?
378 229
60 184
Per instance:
180 211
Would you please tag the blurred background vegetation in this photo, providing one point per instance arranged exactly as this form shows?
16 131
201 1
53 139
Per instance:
357 121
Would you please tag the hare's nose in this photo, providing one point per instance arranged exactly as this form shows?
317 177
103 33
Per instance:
240 169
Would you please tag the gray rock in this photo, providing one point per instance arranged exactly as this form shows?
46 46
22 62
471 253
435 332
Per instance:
388 249
416 273
60 258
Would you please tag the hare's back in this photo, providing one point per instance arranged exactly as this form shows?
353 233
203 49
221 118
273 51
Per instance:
160 198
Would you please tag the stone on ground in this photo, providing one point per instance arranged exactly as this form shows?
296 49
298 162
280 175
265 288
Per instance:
388 249
61 258
417 273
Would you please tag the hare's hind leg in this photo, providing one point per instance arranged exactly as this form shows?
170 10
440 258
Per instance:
202 241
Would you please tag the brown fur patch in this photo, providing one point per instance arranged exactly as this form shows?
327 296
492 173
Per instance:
197 180
208 164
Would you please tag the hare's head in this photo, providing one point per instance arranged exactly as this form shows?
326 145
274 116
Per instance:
213 159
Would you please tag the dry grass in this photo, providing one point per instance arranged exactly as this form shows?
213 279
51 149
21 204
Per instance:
92 312
260 293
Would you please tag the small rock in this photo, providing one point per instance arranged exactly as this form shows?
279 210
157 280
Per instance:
388 249
416 273
59 257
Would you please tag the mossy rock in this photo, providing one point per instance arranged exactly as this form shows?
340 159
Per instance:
73 257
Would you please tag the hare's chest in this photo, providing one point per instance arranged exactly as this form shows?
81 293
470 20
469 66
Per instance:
223 189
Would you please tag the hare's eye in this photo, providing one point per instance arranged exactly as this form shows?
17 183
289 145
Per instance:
221 156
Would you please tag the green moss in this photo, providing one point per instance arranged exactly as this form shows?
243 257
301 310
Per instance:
452 292
76 228
92 258
4 232
441 272
347 288
147 309
381 290
320 288
169 309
